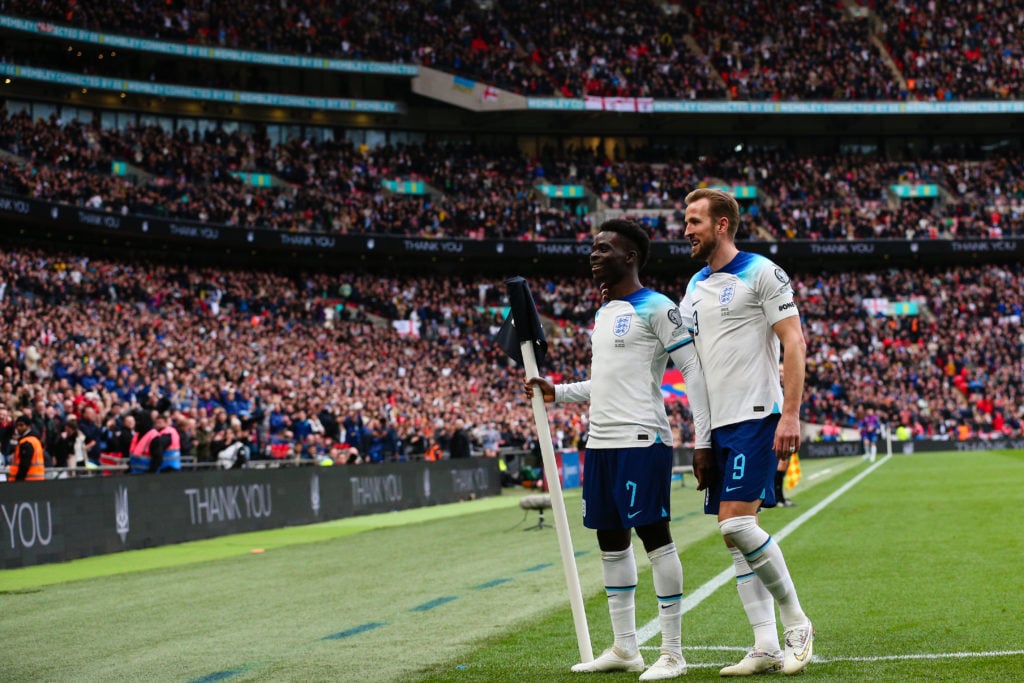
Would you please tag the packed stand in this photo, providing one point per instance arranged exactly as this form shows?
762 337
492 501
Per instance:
327 186
615 49
511 45
479 193
760 50
289 366
955 51
955 371
638 48
831 197
307 365
774 51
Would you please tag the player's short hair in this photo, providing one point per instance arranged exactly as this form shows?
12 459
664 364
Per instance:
720 205
633 232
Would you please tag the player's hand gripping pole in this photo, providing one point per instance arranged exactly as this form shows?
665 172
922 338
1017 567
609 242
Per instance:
520 333
547 451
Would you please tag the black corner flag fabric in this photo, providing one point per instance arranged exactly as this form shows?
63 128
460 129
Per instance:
522 323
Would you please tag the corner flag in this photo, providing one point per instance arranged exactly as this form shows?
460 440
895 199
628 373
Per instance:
522 338
522 324
792 472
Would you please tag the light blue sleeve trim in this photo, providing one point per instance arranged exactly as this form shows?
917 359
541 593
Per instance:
680 344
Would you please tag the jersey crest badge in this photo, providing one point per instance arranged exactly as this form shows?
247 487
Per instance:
728 292
621 326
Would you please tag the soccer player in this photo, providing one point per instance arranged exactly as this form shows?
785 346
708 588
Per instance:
869 426
738 308
629 449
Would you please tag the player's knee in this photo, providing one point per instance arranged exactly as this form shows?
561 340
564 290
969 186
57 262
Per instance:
614 540
743 533
737 526
655 536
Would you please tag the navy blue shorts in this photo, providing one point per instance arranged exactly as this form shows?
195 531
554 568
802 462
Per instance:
746 463
624 488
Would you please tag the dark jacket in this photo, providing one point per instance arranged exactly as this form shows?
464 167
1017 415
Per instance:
459 447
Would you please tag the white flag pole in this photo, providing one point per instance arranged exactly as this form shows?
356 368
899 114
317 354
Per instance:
547 451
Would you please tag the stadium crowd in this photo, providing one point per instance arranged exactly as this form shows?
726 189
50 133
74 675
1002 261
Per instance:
311 365
478 192
693 49
774 51
955 51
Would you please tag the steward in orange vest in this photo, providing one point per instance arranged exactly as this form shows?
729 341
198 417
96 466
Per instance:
433 453
27 462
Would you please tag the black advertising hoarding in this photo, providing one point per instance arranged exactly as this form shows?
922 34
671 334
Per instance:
59 520
18 211
834 449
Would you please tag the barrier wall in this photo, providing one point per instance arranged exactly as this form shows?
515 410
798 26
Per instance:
52 521
833 449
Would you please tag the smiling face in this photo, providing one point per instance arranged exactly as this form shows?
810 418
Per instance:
611 258
702 231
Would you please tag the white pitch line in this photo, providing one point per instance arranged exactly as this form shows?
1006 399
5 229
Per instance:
882 658
652 628
938 655
692 648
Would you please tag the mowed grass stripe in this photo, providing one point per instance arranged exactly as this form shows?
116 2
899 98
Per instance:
354 631
436 602
217 676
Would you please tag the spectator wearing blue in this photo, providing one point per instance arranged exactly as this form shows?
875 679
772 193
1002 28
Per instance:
93 432
380 442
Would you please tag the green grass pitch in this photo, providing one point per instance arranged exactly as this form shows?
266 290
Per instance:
909 568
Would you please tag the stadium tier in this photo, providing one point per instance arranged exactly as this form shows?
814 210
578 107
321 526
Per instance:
691 49
450 190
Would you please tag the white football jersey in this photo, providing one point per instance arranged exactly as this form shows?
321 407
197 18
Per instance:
631 343
730 314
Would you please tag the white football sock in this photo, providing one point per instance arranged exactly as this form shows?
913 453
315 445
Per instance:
757 603
667 572
619 569
765 558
